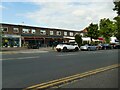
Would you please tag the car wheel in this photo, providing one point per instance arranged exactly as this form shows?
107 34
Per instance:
88 49
64 49
76 49
59 50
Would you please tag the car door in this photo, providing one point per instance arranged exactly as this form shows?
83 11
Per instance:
68 46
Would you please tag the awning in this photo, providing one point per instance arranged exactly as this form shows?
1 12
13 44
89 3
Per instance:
100 38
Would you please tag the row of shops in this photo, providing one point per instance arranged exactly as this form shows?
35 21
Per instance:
22 41
9 40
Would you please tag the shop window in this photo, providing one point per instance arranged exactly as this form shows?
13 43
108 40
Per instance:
59 33
33 31
71 33
51 32
42 32
4 29
15 30
25 30
65 33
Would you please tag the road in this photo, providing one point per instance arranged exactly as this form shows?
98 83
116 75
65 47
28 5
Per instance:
107 79
27 69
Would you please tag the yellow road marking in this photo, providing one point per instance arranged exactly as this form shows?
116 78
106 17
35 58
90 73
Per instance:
70 78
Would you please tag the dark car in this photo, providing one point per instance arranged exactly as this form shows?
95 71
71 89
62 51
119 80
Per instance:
116 46
106 46
33 46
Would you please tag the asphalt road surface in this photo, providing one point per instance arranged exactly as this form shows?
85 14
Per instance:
27 69
107 79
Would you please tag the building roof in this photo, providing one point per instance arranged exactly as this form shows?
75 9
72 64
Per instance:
38 27
84 31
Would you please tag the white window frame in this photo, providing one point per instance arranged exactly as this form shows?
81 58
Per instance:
71 33
42 32
65 33
33 31
51 32
16 30
3 28
59 33
24 30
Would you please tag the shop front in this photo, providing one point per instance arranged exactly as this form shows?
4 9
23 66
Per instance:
11 40
41 41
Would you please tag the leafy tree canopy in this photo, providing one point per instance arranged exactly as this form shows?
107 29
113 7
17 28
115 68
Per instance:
117 6
117 22
107 28
93 31
78 39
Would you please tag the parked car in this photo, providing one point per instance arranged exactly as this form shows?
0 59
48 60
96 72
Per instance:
67 47
33 46
99 46
106 46
115 45
88 47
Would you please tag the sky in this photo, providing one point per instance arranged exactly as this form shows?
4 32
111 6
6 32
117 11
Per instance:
61 14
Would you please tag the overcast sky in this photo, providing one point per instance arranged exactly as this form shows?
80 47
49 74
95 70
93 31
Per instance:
64 14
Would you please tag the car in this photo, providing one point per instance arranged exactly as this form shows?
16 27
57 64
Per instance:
67 47
88 47
99 46
33 46
115 45
106 46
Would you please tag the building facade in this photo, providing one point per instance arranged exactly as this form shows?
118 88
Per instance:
21 35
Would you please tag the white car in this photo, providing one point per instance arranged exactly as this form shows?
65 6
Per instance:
88 47
66 47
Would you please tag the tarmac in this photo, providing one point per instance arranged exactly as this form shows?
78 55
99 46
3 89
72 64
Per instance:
14 50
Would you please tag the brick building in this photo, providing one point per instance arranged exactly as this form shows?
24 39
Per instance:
19 35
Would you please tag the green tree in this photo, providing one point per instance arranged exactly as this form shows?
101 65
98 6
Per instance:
117 22
117 19
107 29
78 39
93 31
117 6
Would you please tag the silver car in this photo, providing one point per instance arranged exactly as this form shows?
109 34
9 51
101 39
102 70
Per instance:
88 47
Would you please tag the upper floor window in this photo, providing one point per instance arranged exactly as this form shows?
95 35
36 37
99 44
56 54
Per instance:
15 30
59 33
51 32
25 30
4 29
33 31
42 32
71 33
65 33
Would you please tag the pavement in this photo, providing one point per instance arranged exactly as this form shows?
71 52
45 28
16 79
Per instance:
14 50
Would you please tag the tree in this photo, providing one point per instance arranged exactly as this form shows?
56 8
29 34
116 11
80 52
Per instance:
117 6
117 22
93 31
117 19
107 29
78 39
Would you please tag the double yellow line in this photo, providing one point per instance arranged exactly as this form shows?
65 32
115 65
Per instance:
58 82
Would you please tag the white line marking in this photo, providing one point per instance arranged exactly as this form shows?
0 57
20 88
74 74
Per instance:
67 54
19 58
34 52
